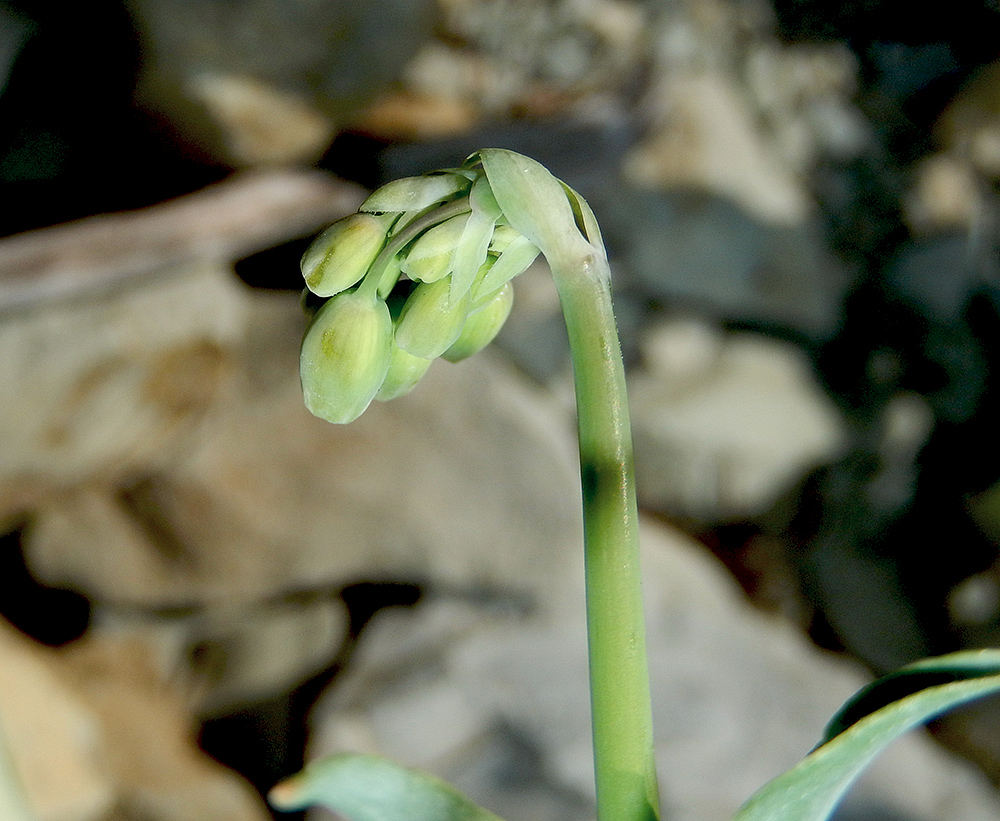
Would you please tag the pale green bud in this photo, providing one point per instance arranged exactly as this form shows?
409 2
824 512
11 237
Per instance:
414 193
431 320
345 356
430 257
481 327
343 253
503 235
405 370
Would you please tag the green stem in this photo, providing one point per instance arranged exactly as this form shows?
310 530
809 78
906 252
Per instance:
619 678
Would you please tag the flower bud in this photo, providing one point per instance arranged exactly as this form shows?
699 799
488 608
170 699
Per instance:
430 257
343 253
405 370
345 356
430 320
414 193
482 326
503 235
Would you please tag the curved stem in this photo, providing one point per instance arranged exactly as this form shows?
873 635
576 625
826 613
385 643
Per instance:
619 677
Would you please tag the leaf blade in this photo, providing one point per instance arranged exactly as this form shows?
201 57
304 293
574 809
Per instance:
372 788
811 790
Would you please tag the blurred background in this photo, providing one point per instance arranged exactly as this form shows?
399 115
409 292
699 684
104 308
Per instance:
202 586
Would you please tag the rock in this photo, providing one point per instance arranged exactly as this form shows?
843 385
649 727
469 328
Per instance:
53 736
544 60
104 388
726 424
117 330
945 196
463 689
96 733
711 142
149 746
218 527
258 82
689 250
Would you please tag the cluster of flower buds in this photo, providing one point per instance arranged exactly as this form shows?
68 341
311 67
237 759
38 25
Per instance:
422 271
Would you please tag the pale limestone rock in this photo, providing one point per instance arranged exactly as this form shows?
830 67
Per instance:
227 654
710 140
260 123
805 95
461 688
106 387
54 738
945 195
724 424
117 329
96 732
265 499
149 747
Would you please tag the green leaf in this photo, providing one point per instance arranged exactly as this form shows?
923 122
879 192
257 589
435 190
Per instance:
866 725
371 788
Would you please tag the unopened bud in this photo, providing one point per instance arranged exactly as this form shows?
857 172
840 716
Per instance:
414 193
481 327
343 253
430 257
503 235
405 370
430 320
345 356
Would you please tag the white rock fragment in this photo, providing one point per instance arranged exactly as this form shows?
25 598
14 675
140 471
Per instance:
724 424
739 697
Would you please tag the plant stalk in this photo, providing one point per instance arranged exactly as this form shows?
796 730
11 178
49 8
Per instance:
621 708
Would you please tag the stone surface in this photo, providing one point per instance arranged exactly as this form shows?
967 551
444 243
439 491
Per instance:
149 747
260 82
712 142
217 527
96 733
471 691
692 251
724 424
53 736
